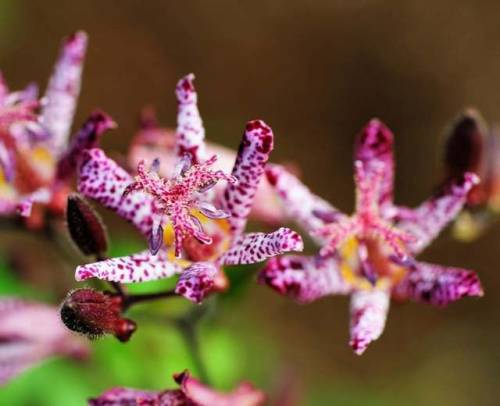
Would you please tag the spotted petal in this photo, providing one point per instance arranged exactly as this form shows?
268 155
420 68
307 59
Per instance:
126 396
86 138
140 267
190 134
101 179
63 90
426 221
369 310
300 204
374 146
438 285
196 282
256 247
305 279
248 169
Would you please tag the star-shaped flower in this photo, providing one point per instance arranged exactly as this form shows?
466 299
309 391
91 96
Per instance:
30 333
36 160
191 393
369 255
201 267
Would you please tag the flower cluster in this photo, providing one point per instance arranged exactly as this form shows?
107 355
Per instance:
191 202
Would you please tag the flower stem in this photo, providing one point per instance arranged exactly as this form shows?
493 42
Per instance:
132 299
189 332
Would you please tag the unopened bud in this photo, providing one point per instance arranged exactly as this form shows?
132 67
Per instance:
95 314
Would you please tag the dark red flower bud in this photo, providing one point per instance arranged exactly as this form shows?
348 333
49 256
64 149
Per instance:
465 144
85 227
95 314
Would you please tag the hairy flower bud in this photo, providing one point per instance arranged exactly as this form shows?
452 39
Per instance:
95 314
85 226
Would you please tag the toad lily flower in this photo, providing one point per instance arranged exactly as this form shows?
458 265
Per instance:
153 141
35 160
30 333
369 255
191 392
208 238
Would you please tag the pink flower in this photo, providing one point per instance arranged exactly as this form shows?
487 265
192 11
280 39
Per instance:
369 255
191 393
153 141
30 333
35 158
208 229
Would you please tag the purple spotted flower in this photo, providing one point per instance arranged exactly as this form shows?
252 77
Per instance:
30 333
370 254
208 218
191 393
36 160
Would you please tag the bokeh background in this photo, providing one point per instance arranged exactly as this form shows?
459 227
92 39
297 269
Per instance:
316 71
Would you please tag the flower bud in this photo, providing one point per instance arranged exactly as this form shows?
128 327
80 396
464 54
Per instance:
94 314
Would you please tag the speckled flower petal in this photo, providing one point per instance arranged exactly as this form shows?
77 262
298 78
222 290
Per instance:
63 90
244 395
255 147
190 134
23 341
300 204
139 267
86 138
126 397
426 221
369 310
101 179
256 247
305 279
438 285
373 147
197 281
25 205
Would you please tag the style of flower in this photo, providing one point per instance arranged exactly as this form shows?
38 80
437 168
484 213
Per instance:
36 161
370 254
30 333
200 269
152 141
191 393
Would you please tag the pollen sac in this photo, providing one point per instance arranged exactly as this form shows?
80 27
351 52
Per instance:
94 314
85 227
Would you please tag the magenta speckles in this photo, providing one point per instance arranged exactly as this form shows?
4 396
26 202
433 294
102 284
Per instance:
190 134
197 281
176 197
253 155
257 247
370 254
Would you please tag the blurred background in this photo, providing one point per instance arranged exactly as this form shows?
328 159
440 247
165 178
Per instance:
316 72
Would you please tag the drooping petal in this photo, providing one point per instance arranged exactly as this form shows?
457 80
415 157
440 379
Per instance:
426 221
31 332
248 169
305 279
244 395
86 138
190 134
369 310
63 90
197 281
256 247
438 285
101 179
300 204
140 267
374 146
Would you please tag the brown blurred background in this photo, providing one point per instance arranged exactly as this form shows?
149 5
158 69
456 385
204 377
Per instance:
316 71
